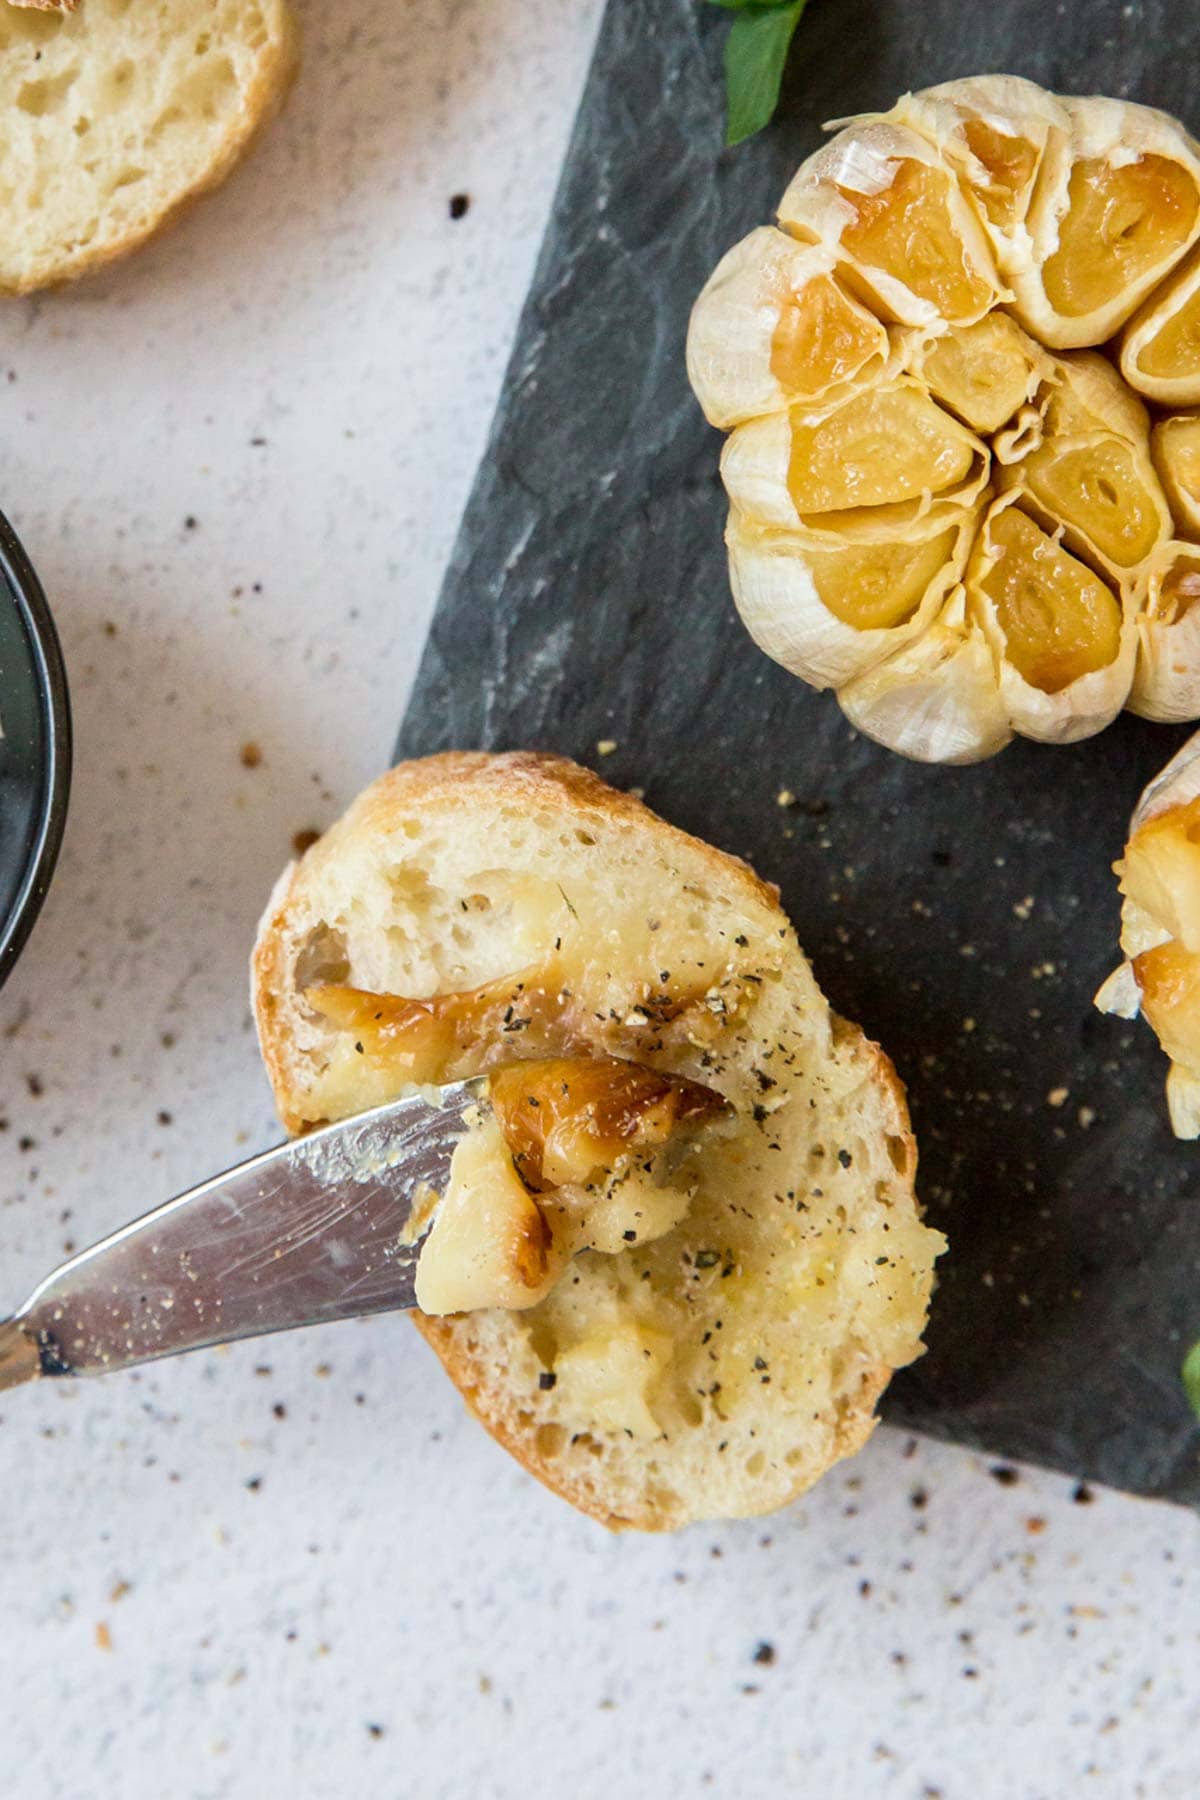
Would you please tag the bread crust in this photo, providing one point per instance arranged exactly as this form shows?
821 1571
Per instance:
268 984
473 785
457 781
460 780
261 102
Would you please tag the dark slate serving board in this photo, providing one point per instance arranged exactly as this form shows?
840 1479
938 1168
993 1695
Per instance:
587 600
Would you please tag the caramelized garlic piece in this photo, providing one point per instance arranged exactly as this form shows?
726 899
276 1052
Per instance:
976 522
574 1157
490 1244
561 1006
577 1150
562 1119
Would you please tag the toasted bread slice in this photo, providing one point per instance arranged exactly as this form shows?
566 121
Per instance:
119 113
720 1368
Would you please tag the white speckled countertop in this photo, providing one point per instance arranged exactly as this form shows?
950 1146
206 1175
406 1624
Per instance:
296 1569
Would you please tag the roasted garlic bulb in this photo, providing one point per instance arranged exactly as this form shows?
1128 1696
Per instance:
1160 929
945 502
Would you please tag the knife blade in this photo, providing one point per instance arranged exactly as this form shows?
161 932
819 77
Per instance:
305 1233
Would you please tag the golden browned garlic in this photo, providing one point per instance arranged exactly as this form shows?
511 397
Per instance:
1160 929
945 502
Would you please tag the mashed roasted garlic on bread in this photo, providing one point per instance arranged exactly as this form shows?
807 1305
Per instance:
680 1249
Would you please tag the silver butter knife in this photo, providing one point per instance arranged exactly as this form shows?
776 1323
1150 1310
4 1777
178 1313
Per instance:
310 1231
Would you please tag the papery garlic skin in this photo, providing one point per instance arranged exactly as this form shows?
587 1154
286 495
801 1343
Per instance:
1160 929
937 699
922 336
1166 682
1178 784
1118 993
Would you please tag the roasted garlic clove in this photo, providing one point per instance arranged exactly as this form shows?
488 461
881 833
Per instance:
983 373
1065 652
830 605
881 199
1103 496
1091 474
490 1244
1110 218
1183 1101
1161 878
1168 979
799 467
775 326
917 342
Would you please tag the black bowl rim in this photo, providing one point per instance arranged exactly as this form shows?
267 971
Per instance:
51 676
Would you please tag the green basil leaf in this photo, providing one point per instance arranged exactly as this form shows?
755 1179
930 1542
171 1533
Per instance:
1191 1377
755 53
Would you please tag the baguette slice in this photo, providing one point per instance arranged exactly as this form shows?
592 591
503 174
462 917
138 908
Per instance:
118 114
718 1370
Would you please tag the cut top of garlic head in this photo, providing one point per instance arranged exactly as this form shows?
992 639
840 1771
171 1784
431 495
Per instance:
943 496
